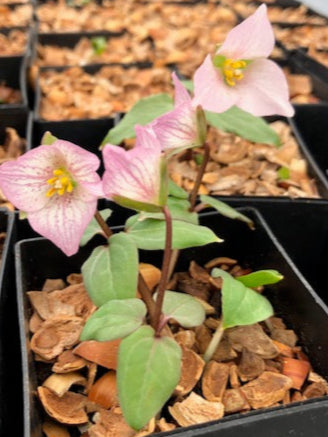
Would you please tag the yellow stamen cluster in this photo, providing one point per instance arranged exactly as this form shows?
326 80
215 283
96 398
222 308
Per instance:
232 71
61 183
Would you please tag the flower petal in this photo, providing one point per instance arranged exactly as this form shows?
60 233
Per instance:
79 162
24 181
264 90
177 128
64 220
146 138
181 94
210 90
134 174
253 38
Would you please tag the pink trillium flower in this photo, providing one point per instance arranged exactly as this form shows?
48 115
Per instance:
136 178
241 75
184 126
57 186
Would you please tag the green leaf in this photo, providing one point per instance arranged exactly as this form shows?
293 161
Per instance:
105 271
241 305
93 227
185 309
115 319
188 84
261 277
245 125
225 210
48 139
283 173
148 372
98 44
143 112
176 191
149 234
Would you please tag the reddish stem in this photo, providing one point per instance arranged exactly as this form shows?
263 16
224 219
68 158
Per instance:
104 226
165 271
200 174
142 286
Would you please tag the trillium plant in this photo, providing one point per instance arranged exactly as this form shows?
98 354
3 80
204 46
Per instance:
57 187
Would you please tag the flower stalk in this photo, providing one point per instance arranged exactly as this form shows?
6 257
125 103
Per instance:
200 174
214 343
165 270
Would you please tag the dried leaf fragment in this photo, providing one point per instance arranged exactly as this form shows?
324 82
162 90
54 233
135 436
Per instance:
53 429
68 362
151 274
110 423
195 409
251 365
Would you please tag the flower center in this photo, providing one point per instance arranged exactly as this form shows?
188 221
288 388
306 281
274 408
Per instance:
60 183
233 70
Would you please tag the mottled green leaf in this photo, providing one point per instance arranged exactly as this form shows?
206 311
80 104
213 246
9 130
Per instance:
93 227
148 372
176 191
241 305
149 234
244 124
185 309
225 209
115 319
143 112
105 271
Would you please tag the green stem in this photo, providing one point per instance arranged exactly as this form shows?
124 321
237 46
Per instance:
200 174
165 271
214 343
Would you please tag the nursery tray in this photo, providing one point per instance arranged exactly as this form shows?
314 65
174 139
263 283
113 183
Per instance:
293 299
18 118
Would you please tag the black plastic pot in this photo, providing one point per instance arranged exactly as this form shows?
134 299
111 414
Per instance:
13 73
10 361
293 299
19 119
309 126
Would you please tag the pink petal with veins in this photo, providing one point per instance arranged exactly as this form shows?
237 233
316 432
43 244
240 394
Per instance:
64 220
264 90
253 38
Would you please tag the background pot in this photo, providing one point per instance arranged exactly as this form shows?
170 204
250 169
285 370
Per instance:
293 299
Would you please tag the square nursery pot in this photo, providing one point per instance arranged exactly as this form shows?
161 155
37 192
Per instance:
10 392
293 299
302 228
309 126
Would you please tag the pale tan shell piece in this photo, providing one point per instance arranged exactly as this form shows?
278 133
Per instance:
53 429
110 423
151 274
61 383
104 391
266 390
253 338
195 409
68 362
103 353
69 409
215 380
234 401
186 338
191 370
55 335
53 284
